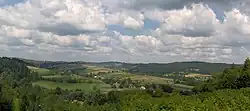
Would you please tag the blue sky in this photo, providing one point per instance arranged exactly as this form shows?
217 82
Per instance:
147 27
9 2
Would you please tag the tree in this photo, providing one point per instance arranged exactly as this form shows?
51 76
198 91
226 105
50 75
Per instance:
113 96
246 64
157 93
166 88
58 91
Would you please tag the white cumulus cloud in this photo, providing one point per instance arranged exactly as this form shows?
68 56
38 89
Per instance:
78 30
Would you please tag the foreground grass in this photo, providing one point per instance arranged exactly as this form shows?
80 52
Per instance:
221 100
88 87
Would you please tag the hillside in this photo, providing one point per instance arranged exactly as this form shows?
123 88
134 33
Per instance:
160 69
25 88
156 69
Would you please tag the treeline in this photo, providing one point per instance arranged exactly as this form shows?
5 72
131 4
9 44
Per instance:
14 75
230 78
158 69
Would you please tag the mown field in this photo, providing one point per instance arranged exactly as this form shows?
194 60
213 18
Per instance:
119 75
88 87
143 78
86 69
197 75
97 84
40 71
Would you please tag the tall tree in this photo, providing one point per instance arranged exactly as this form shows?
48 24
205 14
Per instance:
246 64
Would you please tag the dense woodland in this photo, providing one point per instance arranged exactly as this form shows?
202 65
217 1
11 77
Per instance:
225 91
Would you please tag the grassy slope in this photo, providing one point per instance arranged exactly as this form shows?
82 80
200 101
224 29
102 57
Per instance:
40 71
73 76
144 78
222 100
73 86
94 69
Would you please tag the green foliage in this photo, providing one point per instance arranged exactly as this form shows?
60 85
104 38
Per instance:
16 105
161 69
89 87
246 66
225 92
40 71
230 78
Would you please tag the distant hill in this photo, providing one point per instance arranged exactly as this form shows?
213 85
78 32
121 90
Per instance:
156 69
159 69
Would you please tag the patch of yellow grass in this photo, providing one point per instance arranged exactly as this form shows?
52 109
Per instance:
152 79
197 75
96 70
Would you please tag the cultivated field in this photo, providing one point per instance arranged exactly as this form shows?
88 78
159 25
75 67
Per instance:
86 69
197 75
142 78
40 71
96 70
99 84
88 87
181 87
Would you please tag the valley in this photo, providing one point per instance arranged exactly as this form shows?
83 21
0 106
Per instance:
73 86
96 77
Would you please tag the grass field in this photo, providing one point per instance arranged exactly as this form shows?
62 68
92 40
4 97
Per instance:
40 71
143 78
182 86
53 76
88 87
152 79
74 77
197 75
94 69
91 69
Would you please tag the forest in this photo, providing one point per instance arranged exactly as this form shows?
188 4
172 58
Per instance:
224 91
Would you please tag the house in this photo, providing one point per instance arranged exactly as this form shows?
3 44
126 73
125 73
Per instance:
116 85
142 88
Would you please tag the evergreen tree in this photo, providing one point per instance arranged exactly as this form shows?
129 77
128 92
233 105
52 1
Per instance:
246 64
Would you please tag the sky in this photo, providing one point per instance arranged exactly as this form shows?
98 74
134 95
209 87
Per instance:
140 31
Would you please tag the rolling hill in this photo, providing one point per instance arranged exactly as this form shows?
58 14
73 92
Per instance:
156 69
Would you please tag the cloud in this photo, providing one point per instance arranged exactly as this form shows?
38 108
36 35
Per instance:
129 19
178 4
78 30
192 32
76 16
185 22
